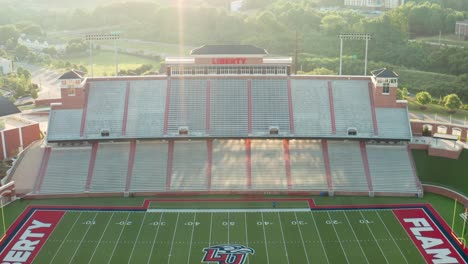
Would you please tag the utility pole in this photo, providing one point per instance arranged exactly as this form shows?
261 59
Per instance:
295 57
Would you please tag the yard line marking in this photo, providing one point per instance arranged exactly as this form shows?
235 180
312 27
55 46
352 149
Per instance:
229 223
191 238
388 231
211 224
154 239
320 238
138 235
354 233
372 233
302 239
173 237
81 241
69 231
282 234
337 236
246 234
118 239
264 236
100 239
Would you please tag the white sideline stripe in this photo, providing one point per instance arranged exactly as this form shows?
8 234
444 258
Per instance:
246 210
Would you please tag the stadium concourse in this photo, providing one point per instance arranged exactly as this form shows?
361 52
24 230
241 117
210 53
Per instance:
228 119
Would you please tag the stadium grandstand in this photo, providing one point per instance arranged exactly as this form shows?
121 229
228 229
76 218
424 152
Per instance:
227 119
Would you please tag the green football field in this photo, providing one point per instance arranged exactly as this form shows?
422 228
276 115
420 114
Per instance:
356 236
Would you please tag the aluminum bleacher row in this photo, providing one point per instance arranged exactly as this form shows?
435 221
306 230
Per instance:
228 107
229 165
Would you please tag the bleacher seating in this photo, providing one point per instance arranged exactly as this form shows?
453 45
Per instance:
307 165
229 168
187 106
150 167
64 124
352 107
66 170
390 169
347 168
270 106
146 107
268 166
106 104
110 169
189 166
229 107
311 108
393 123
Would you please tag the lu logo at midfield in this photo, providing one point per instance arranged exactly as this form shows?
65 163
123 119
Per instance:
227 254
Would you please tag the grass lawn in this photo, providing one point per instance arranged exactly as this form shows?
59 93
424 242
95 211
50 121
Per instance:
433 109
417 81
104 62
443 171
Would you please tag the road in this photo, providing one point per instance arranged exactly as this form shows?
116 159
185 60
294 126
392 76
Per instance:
433 117
46 79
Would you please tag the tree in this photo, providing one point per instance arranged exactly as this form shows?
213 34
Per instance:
321 71
402 93
8 32
333 23
21 52
423 98
452 102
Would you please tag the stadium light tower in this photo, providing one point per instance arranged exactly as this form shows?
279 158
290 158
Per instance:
354 36
115 35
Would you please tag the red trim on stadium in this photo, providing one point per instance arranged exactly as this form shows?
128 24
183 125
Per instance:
326 162
125 114
209 162
42 170
248 155
332 107
249 107
85 107
92 162
170 157
290 104
131 162
365 162
287 162
166 111
374 118
208 106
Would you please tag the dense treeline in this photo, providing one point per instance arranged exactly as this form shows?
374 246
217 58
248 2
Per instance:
273 25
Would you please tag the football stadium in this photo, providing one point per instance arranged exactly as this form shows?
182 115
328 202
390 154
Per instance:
229 158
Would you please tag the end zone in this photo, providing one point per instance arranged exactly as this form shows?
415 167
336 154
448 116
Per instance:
28 238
